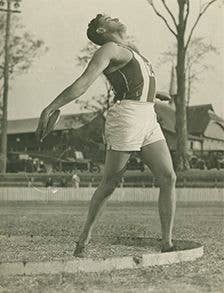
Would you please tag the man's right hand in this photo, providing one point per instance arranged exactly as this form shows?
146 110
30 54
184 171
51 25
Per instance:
42 124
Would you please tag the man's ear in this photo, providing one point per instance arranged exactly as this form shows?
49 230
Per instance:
100 30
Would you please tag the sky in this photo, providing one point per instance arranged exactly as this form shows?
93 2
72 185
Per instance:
62 26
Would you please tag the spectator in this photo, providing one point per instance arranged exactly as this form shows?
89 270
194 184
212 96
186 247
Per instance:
42 168
122 182
63 182
49 182
30 181
75 180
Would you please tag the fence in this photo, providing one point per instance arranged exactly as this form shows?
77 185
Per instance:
120 194
188 179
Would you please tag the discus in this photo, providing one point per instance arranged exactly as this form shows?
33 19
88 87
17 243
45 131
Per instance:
52 121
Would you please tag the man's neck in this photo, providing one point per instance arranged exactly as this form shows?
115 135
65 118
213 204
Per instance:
119 38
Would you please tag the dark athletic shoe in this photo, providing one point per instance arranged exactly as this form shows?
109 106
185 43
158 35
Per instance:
79 250
170 249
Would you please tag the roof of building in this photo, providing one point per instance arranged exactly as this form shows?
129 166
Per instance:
216 118
198 118
65 122
166 116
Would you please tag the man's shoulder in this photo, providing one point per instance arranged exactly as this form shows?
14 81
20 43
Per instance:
109 45
110 48
113 51
108 51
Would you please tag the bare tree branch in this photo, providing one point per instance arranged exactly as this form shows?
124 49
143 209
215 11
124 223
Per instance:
1 88
187 13
162 17
197 20
170 13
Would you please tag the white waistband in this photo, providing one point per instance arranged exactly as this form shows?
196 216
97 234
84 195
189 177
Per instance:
126 101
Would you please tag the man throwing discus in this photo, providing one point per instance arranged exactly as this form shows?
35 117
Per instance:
131 122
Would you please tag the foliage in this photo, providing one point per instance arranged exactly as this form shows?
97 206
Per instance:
24 47
196 60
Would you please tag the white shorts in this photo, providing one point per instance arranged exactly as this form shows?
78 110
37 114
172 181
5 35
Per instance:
130 125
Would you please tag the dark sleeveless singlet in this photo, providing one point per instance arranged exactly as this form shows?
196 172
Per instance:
134 81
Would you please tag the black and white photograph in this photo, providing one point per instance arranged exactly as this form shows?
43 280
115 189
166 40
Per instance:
111 146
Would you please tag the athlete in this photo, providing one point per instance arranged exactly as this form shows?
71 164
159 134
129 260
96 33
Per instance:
131 123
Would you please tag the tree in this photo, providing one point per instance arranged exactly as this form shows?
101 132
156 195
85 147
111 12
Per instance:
18 48
195 65
23 48
177 28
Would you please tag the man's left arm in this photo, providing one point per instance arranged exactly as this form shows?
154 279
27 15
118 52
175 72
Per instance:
163 96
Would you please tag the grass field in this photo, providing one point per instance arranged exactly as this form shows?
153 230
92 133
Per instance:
53 228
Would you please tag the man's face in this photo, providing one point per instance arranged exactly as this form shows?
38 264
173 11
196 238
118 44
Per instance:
111 25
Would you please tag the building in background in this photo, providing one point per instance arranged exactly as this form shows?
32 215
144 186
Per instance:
84 132
81 131
205 128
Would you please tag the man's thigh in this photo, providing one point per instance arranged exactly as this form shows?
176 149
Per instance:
157 157
115 163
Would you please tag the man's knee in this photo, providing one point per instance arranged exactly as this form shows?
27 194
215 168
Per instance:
167 178
109 183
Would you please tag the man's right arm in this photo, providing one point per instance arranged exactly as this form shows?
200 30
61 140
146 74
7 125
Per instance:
96 66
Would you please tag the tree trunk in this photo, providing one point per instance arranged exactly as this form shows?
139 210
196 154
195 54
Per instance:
181 162
188 88
188 81
3 155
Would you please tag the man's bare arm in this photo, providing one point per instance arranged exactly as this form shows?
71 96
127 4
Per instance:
163 96
98 63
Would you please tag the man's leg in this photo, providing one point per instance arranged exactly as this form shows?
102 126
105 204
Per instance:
157 157
114 168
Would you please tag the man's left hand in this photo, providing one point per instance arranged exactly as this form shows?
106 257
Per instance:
163 96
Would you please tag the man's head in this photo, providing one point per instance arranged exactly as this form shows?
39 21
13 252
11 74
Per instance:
102 27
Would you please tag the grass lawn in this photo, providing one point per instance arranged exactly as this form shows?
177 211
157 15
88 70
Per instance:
57 225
